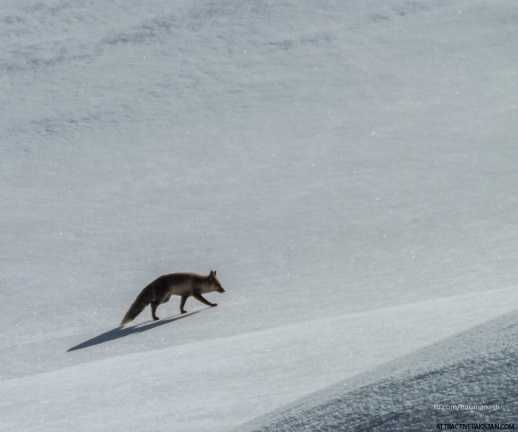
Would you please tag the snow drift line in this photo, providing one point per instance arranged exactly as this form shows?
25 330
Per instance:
474 365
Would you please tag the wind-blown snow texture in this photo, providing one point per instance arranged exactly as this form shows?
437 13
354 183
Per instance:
349 168
478 367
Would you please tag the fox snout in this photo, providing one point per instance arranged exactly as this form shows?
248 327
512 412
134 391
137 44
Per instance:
215 282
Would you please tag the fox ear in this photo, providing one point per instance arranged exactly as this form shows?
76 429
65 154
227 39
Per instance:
211 274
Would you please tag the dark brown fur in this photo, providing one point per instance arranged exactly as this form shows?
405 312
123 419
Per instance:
182 284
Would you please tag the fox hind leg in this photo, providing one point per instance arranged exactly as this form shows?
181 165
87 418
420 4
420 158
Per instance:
182 304
153 311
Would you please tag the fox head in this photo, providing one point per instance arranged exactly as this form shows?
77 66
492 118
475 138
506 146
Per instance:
214 282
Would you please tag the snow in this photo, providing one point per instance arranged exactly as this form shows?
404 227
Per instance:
349 168
477 367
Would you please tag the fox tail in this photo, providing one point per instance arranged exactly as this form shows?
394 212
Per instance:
136 308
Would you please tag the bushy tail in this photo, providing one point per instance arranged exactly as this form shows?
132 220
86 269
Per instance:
138 306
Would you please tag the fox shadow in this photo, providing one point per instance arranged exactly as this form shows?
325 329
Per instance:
120 332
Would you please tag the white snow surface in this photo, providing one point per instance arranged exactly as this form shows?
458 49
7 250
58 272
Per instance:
348 168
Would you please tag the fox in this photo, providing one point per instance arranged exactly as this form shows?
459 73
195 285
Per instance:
162 288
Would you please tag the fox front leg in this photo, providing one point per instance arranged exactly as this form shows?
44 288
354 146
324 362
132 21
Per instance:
199 297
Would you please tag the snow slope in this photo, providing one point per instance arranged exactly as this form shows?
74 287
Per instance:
217 384
470 377
348 168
